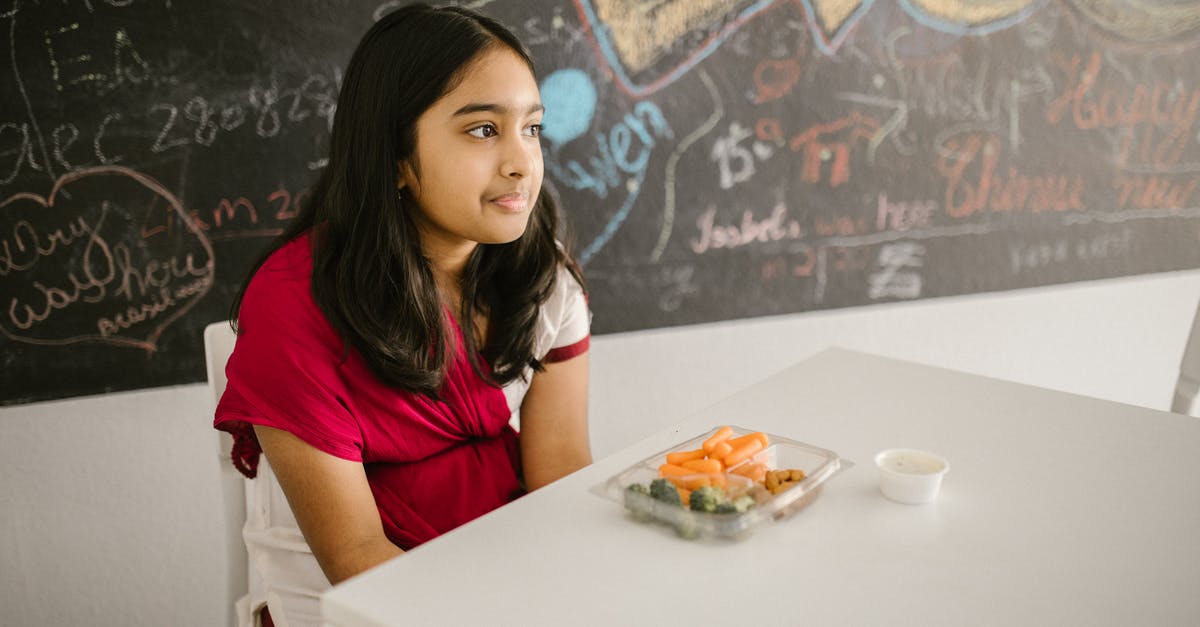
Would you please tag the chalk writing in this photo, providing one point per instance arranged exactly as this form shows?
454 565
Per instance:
970 190
773 228
1154 192
124 65
616 156
801 262
902 216
82 264
1163 114
728 150
827 147
22 153
267 109
897 276
713 159
1042 253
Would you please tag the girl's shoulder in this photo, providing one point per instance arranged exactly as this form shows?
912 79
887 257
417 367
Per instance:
293 258
284 280
567 289
565 317
569 273
279 302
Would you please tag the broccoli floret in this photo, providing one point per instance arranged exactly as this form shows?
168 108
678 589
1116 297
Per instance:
665 491
707 498
637 501
737 506
638 488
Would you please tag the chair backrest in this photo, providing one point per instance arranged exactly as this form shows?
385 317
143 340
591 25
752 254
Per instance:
219 339
256 512
1188 385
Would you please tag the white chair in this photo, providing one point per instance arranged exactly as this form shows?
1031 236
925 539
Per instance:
218 345
1187 388
257 514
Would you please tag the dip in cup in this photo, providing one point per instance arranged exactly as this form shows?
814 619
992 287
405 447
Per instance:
910 476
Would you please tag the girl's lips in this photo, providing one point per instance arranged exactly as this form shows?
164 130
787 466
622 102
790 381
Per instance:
512 202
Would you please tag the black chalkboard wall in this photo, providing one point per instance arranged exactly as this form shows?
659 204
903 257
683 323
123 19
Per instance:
715 159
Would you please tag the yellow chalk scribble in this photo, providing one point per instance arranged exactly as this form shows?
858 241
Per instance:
832 14
972 12
1142 20
642 31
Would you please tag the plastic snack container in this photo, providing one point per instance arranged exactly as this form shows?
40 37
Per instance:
818 464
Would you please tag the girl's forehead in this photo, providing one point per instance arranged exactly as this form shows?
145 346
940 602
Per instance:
496 75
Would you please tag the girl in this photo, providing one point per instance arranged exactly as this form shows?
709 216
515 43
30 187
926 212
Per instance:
387 339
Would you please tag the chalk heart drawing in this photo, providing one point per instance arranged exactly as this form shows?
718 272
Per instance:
109 256
642 32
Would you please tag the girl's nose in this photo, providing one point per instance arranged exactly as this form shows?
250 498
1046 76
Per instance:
521 157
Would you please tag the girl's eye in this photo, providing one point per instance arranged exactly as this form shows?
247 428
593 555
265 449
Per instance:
534 130
483 132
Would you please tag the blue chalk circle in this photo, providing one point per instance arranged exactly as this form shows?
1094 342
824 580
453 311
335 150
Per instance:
570 101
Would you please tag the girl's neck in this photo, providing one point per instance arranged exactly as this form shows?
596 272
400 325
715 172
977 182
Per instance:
448 262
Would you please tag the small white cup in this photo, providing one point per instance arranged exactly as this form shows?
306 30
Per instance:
910 476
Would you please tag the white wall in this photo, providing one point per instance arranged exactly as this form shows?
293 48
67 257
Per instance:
111 505
1118 339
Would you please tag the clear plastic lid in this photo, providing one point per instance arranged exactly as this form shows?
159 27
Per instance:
745 495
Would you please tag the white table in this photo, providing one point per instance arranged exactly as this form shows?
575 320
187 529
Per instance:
1058 510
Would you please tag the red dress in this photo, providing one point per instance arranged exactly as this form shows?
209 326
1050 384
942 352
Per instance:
432 465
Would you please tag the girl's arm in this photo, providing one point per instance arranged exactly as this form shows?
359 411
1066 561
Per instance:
332 503
554 426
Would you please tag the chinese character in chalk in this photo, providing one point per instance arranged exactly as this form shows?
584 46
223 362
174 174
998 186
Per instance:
895 277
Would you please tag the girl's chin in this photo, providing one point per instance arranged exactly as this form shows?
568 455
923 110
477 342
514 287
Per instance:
505 236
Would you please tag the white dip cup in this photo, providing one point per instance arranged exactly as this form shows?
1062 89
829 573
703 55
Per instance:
910 476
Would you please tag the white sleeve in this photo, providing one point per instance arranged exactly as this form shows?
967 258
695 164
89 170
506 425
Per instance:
564 321
562 331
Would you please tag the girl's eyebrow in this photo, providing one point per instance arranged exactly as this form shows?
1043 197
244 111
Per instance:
494 108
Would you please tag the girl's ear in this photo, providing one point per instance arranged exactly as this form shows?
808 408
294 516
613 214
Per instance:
401 176
406 178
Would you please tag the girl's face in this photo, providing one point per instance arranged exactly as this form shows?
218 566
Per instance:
479 156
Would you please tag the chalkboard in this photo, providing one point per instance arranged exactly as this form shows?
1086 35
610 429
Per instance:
715 159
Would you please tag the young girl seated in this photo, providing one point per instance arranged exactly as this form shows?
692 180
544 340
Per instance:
418 303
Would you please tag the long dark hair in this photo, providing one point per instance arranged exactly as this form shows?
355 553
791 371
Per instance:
370 277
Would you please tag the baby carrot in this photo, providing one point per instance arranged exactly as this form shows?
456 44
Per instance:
720 450
704 465
686 481
679 457
746 470
685 496
716 479
754 472
667 470
721 435
743 452
742 439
